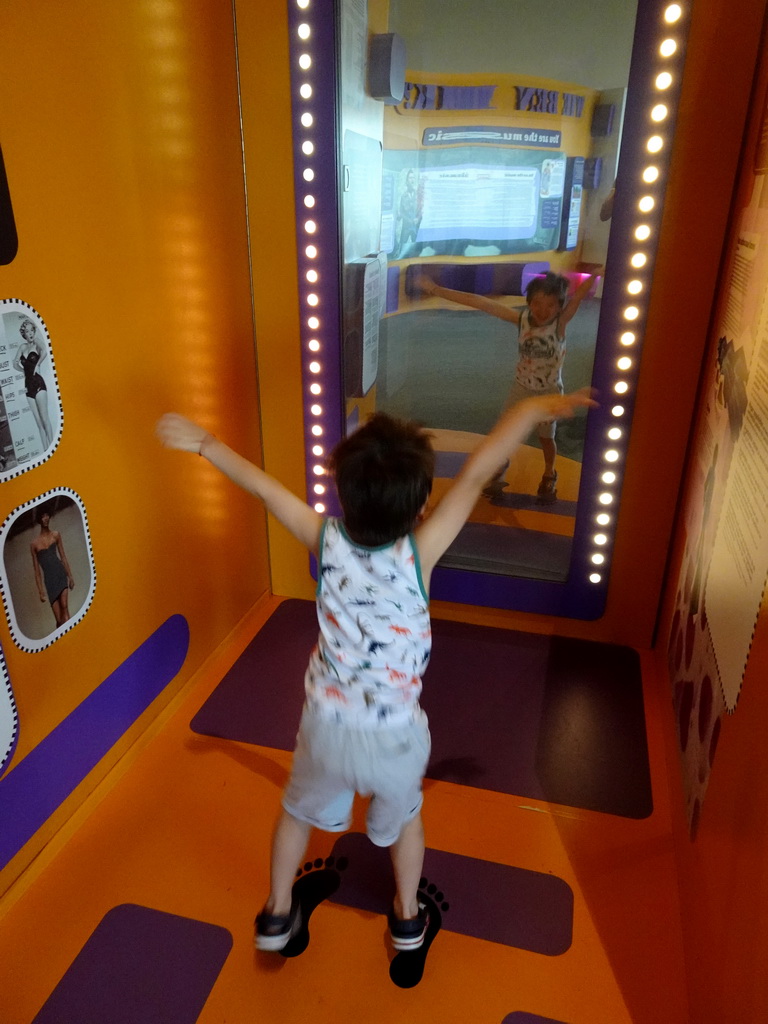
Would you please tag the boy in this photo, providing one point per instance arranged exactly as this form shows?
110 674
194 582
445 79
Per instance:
541 352
362 729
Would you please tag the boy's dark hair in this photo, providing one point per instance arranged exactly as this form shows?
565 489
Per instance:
549 284
383 476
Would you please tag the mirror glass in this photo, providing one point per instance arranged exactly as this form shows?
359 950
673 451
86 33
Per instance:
524 142
496 167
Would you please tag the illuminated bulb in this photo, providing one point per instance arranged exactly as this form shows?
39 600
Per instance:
621 387
312 276
310 252
312 299
317 449
319 488
310 227
317 430
317 410
673 13
307 120
624 363
664 80
603 519
303 31
313 323
309 201
635 287
313 345
610 456
668 47
631 313
655 144
642 232
319 507
595 577
318 470
303 4
306 90
600 539
609 477
627 338
659 112
650 174
617 410
639 260
307 148
646 204
308 174
605 499
614 433
315 389
314 367
305 61
598 559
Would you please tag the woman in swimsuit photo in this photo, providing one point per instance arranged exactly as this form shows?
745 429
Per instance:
52 572
29 356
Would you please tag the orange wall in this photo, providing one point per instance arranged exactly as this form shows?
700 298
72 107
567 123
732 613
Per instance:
121 141
722 863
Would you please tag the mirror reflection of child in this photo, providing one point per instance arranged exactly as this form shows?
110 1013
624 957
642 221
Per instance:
541 352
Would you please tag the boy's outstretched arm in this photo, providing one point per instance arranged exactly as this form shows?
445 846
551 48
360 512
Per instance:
437 532
427 286
303 522
579 294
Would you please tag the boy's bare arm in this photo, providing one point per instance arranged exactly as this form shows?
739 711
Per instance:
303 522
436 533
579 294
492 306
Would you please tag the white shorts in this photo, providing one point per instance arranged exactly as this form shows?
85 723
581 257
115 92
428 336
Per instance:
332 762
518 393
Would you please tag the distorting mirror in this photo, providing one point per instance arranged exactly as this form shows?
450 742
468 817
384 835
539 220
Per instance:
441 156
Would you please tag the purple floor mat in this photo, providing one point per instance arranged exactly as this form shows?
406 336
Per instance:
508 905
543 717
140 966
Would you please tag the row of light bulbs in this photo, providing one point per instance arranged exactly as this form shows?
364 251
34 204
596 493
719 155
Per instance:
650 186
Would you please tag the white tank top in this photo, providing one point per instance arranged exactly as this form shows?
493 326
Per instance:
375 634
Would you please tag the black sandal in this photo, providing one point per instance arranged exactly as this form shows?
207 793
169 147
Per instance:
547 492
273 932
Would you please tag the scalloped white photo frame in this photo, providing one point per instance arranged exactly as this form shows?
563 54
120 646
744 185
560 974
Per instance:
33 622
9 717
31 415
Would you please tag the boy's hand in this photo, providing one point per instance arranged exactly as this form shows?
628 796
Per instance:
424 284
175 431
559 407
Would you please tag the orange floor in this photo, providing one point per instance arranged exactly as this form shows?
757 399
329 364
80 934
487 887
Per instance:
183 826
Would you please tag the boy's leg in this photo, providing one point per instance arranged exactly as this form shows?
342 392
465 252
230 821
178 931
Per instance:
407 854
549 448
289 843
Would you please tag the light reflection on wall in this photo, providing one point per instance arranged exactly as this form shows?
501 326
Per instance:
176 156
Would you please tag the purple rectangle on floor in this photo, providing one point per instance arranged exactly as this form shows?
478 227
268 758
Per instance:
549 718
140 965
496 902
